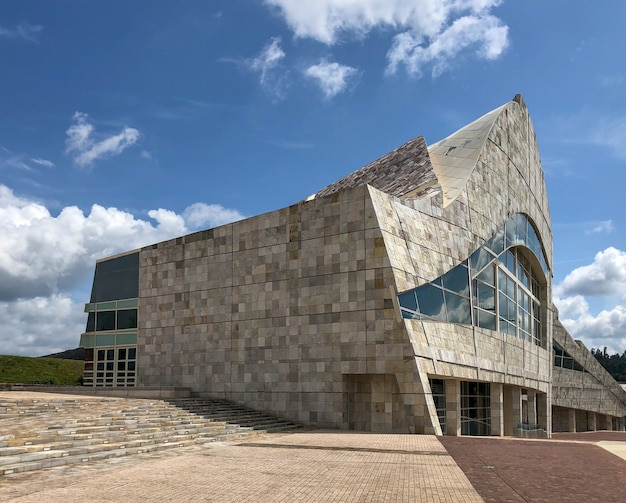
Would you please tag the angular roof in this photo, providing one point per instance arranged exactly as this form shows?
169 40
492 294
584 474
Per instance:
454 158
416 170
405 170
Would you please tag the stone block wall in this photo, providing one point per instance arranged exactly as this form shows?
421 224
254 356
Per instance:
275 310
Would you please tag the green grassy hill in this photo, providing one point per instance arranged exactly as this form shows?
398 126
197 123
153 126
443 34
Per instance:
25 370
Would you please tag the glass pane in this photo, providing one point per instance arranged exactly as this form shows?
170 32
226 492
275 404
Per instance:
91 322
487 275
110 354
508 260
105 320
459 310
131 366
503 305
410 315
101 354
496 243
87 340
105 306
105 340
131 353
430 301
479 259
437 386
116 278
121 354
513 235
408 300
522 274
88 355
127 304
457 280
127 338
485 296
486 320
127 318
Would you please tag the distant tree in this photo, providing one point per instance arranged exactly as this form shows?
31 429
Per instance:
614 364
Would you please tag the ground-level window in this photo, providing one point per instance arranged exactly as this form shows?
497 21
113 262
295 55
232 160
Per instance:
475 408
438 389
112 366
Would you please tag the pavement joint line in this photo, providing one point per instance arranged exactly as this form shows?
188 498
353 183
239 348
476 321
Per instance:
347 449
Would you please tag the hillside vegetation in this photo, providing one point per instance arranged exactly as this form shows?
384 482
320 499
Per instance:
26 370
615 364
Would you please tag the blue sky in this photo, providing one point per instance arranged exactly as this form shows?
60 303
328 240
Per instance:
126 123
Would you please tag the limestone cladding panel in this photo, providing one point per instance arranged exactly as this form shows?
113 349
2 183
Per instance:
594 390
464 352
273 311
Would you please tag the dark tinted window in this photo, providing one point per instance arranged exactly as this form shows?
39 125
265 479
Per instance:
127 318
105 320
91 322
115 279
430 301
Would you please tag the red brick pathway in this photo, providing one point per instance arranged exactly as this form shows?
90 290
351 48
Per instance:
507 470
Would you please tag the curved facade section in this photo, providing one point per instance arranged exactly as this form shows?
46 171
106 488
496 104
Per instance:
498 287
428 241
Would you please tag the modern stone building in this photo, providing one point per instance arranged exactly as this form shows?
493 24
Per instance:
413 295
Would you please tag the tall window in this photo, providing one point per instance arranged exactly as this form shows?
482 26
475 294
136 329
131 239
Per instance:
496 288
475 408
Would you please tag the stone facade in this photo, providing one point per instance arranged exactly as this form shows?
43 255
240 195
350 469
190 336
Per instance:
297 311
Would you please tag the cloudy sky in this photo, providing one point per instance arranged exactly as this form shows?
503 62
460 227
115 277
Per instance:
126 123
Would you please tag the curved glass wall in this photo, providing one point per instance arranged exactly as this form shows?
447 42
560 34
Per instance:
495 288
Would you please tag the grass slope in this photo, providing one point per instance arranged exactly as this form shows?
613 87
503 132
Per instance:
25 370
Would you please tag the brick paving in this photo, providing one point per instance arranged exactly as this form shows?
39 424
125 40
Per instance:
297 467
514 470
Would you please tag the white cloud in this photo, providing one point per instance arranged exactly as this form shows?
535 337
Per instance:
606 329
486 33
605 226
606 276
41 325
604 279
610 133
332 78
267 64
42 162
44 258
428 32
24 31
201 215
15 161
86 150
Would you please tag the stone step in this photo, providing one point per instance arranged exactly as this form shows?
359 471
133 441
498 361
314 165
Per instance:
38 436
106 435
53 458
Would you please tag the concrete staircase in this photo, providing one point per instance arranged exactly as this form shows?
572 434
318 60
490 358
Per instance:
41 434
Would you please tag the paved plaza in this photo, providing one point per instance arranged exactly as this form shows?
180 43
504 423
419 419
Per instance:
342 466
313 466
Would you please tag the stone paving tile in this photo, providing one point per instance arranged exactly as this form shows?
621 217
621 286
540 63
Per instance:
591 436
513 470
297 467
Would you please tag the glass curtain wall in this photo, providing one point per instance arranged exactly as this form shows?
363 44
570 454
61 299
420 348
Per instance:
496 287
